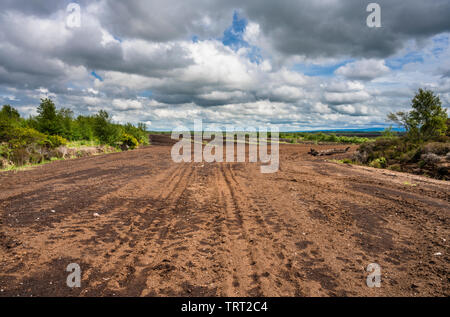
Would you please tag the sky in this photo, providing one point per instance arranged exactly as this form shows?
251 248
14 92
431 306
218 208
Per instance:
297 65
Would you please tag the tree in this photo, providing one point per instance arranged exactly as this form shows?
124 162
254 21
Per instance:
388 133
426 121
9 113
65 119
105 130
47 119
9 119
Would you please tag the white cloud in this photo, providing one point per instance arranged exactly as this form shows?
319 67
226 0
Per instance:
346 97
123 104
366 69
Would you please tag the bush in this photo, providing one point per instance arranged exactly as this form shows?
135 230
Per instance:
430 158
347 161
55 141
129 141
106 131
436 148
21 137
379 163
139 132
395 167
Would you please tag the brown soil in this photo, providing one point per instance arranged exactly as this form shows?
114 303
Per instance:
221 229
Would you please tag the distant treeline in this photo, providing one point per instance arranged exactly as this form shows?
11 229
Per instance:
322 137
295 137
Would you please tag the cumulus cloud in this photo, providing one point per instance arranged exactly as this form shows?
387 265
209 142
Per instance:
366 69
346 97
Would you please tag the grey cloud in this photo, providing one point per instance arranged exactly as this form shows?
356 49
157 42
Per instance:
38 8
166 20
337 28
310 28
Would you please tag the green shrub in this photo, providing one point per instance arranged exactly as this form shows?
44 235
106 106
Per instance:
21 137
5 152
20 156
379 163
412 156
395 167
106 131
129 140
139 132
55 141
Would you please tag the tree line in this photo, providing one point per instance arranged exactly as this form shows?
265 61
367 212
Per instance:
56 127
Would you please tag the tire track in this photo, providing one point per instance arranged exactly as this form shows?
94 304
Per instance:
145 230
243 279
270 255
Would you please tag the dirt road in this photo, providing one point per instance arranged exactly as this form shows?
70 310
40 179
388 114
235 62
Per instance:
140 225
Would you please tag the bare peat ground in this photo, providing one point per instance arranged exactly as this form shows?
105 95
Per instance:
221 229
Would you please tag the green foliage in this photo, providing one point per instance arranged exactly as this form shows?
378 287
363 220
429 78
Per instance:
33 140
47 120
9 118
65 122
5 150
322 137
425 146
8 113
427 119
105 130
395 167
80 143
347 161
55 141
18 137
392 149
139 132
83 128
402 154
388 133
129 140
379 163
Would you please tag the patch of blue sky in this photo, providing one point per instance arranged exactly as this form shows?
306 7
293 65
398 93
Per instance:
315 70
440 44
397 63
233 37
146 94
94 74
